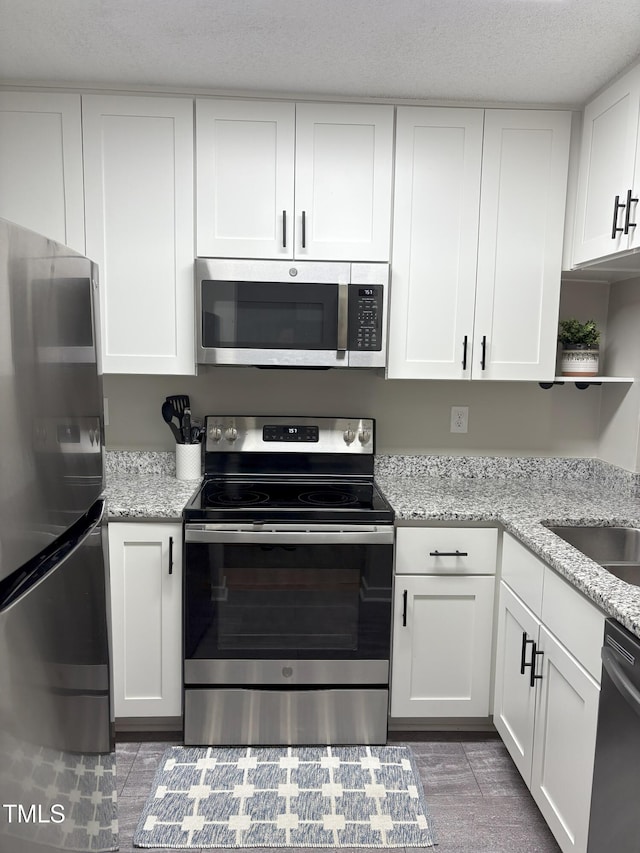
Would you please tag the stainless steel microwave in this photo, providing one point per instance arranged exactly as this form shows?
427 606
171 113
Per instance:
291 313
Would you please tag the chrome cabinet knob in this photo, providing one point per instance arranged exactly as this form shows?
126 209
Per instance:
364 436
231 434
349 436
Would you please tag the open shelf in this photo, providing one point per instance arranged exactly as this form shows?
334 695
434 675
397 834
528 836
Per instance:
588 380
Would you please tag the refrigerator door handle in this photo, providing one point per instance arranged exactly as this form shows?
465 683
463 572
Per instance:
24 579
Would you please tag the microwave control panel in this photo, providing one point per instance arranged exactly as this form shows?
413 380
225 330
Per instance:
365 317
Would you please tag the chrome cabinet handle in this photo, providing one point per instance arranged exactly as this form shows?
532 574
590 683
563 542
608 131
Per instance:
284 229
304 229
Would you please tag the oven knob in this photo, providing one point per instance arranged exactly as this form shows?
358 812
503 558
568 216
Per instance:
215 433
364 436
231 433
349 436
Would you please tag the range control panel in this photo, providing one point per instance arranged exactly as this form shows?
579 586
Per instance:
365 317
225 433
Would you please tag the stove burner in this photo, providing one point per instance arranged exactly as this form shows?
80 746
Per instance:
328 498
236 497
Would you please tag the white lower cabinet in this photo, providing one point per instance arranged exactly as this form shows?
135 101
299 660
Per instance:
442 646
443 618
564 743
546 698
145 563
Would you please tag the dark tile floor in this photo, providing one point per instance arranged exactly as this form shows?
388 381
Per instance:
478 801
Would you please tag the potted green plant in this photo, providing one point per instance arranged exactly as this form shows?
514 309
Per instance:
580 347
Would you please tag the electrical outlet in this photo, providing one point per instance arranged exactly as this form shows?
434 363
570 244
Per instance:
459 418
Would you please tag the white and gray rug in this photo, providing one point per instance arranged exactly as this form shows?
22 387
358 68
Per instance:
350 796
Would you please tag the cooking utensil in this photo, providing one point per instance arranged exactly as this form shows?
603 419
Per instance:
167 414
196 431
185 426
179 402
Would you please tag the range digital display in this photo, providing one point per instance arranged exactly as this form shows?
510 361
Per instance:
289 432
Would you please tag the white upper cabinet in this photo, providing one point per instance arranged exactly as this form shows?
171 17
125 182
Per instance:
343 182
477 250
41 164
305 181
245 151
138 166
525 164
435 242
608 181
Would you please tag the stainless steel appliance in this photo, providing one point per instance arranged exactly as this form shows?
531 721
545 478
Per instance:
291 313
55 709
287 577
615 821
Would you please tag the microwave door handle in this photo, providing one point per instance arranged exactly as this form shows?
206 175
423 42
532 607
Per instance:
343 316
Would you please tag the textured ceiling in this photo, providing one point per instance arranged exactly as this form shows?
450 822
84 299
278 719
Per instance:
513 51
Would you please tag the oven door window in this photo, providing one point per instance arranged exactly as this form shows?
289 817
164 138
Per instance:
269 315
275 601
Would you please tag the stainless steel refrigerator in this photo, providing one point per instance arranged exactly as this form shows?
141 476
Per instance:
57 761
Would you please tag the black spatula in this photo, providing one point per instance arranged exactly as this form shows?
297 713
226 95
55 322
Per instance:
179 403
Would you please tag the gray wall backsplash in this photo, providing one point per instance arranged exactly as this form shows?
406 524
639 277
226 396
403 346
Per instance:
505 418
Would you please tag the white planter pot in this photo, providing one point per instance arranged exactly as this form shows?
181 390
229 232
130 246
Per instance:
580 360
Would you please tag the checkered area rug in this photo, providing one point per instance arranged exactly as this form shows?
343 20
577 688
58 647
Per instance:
353 796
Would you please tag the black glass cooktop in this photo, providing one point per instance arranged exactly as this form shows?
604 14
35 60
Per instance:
277 499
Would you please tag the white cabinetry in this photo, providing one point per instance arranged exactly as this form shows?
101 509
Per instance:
546 689
479 211
443 617
138 168
41 164
609 175
145 563
282 180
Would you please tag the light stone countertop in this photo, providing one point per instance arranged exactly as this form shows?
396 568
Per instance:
519 494
521 505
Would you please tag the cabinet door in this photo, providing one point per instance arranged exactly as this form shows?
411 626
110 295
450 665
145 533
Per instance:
138 165
564 744
514 698
522 207
607 156
435 242
343 173
441 661
244 158
145 562
41 165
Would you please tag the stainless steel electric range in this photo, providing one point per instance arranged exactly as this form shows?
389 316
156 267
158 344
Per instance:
287 576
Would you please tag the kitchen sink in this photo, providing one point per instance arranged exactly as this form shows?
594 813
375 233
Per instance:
616 549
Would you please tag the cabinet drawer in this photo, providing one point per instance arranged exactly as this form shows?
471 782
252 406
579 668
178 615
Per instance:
576 622
432 550
523 572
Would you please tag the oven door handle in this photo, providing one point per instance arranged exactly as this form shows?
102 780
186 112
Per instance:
379 536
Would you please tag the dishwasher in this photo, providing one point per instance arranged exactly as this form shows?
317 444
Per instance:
615 818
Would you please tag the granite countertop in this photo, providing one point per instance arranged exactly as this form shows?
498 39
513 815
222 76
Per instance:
523 505
520 494
147 497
